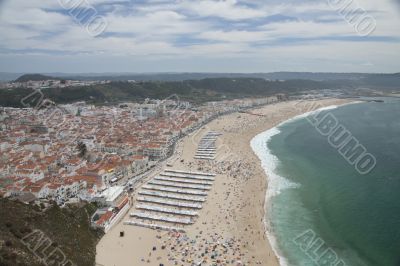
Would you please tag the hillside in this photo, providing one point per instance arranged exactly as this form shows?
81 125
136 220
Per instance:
316 76
67 229
34 77
196 91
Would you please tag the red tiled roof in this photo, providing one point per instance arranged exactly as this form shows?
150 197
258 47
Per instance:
105 217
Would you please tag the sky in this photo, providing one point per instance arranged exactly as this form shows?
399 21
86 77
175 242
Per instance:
96 36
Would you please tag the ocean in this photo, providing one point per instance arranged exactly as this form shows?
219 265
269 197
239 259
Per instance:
321 209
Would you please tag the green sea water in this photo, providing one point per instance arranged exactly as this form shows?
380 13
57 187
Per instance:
356 216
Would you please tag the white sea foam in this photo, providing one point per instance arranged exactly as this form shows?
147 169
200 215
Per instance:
269 162
276 183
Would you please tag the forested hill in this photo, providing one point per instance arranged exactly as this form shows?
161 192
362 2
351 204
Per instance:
195 91
34 77
316 76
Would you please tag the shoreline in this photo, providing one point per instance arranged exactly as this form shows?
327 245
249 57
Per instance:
259 146
238 197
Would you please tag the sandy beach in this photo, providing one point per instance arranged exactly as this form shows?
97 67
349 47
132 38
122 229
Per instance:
230 228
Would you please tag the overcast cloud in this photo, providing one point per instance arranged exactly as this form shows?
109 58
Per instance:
198 36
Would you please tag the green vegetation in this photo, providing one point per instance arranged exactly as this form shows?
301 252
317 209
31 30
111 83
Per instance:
67 228
34 77
13 97
197 91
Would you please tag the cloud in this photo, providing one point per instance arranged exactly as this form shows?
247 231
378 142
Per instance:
304 32
226 9
397 3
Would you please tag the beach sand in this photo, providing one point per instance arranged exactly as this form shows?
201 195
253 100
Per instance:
230 228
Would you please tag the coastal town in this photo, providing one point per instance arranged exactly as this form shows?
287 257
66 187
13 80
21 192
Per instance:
199 133
80 152
206 205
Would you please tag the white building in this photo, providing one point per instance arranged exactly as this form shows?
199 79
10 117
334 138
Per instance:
112 196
